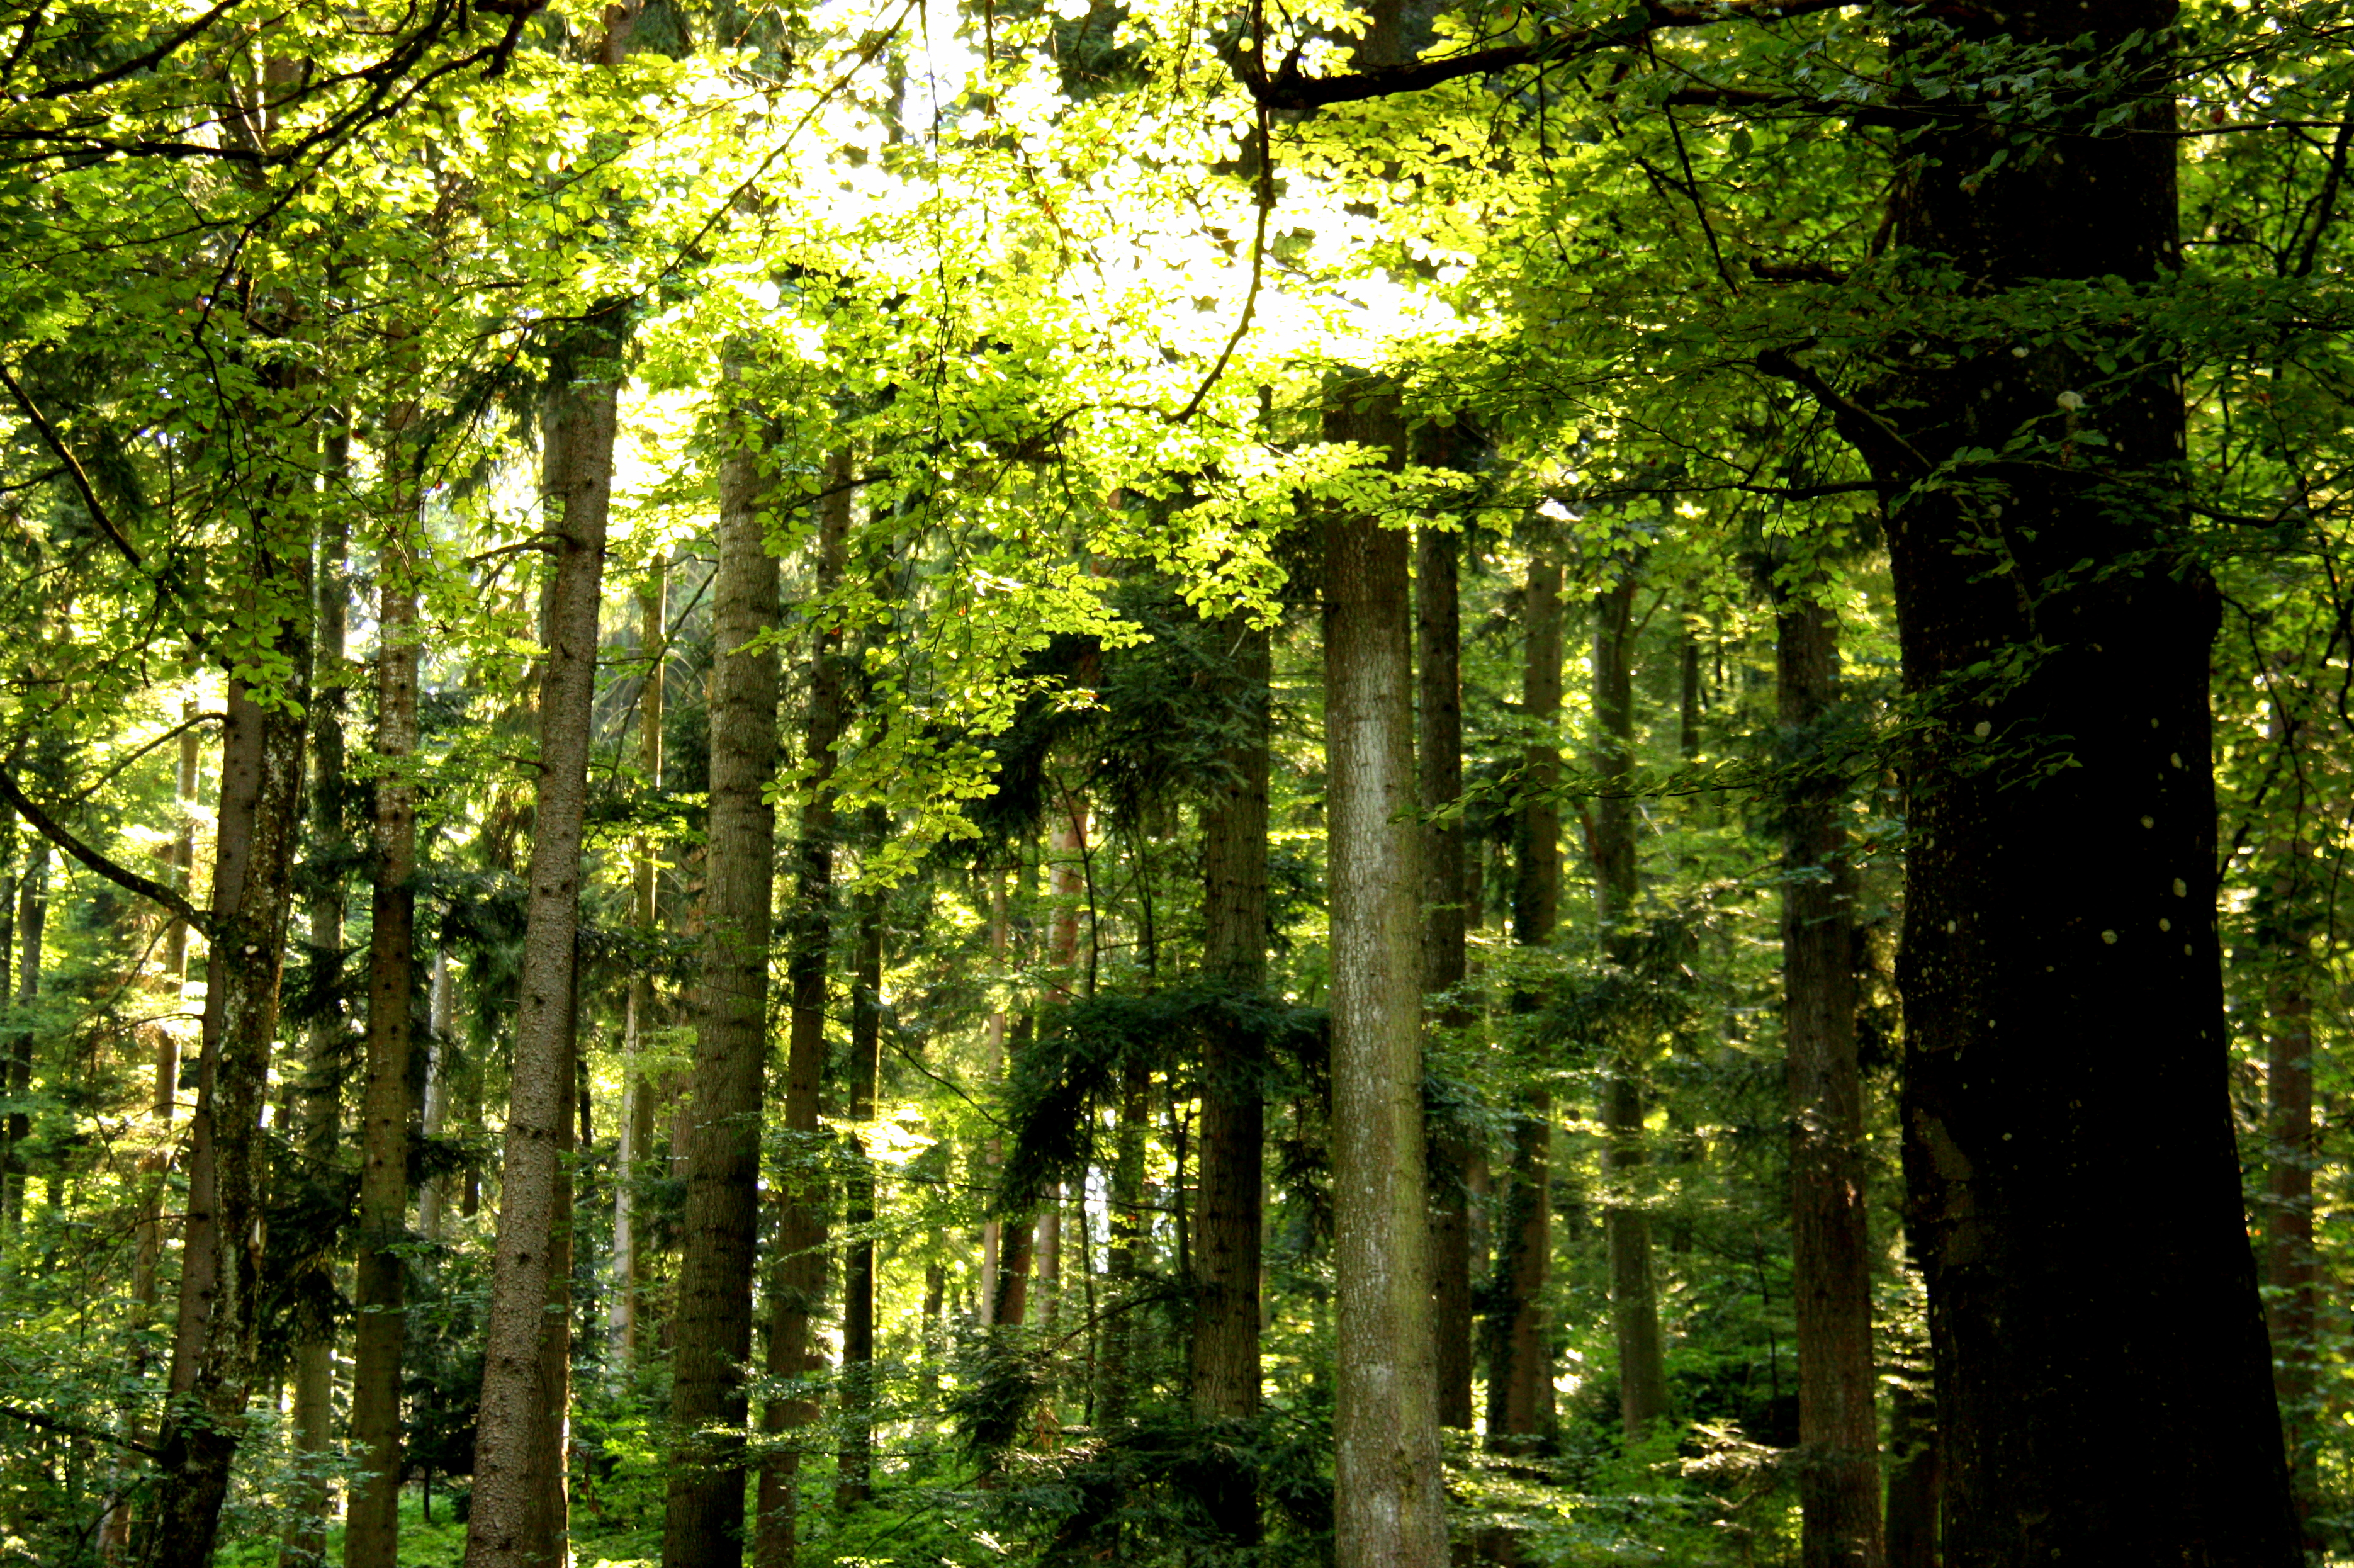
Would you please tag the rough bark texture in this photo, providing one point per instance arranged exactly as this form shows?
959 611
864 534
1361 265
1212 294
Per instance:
855 1465
1438 755
1830 1255
798 1280
534 1192
1388 1507
703 1525
1634 1304
1519 1350
213 1351
1225 1341
320 1096
637 1093
2064 1006
372 1531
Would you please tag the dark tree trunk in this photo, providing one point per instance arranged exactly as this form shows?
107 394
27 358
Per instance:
1389 1511
508 1525
1830 1255
855 1465
2064 1005
2289 1259
1225 1347
1911 1518
703 1524
797 1278
1438 755
1634 1304
214 1359
16 1076
372 1533
1519 1350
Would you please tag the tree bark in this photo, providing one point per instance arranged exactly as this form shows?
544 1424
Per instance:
1226 1329
1626 1227
2289 1260
1438 755
214 1361
372 1528
321 1094
432 1201
855 1465
1830 1255
637 1101
1520 1355
2061 971
703 1524
508 1525
1388 1507
1124 1241
16 1076
798 1277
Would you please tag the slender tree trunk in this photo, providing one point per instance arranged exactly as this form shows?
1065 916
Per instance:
637 1095
1634 1305
2059 936
431 1199
712 1334
213 1361
1438 755
993 1068
856 1462
1830 1255
1124 1240
372 1531
507 1525
2289 1259
1519 1357
798 1290
1226 1347
1388 1507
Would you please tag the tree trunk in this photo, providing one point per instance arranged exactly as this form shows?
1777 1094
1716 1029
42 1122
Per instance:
32 924
1124 1240
799 1277
703 1525
214 1361
1225 1344
1520 1356
507 1525
2289 1260
1388 1507
1911 1522
2060 972
994 1070
856 1462
1438 755
372 1528
1634 1306
637 1095
1830 1255
432 1201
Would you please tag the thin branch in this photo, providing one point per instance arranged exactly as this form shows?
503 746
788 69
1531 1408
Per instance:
121 877
76 1429
82 480
111 774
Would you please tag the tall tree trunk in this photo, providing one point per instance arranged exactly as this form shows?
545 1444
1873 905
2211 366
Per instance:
321 1094
372 1530
1388 1507
1124 1240
797 1289
2058 919
856 1462
214 1361
1830 1255
1438 755
1634 1305
703 1524
432 1200
637 1093
1520 1356
1226 1347
507 1526
993 1069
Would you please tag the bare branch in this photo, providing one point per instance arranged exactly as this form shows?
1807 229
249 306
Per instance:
121 877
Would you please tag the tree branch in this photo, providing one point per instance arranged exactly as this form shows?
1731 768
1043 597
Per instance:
82 480
76 1429
1287 89
121 877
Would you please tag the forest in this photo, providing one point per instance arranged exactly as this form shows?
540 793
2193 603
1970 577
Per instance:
1357 782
